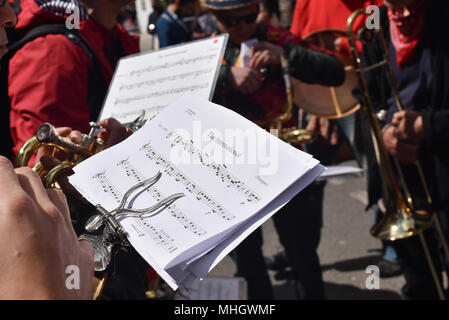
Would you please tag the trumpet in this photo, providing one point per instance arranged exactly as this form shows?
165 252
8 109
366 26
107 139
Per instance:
402 219
46 135
101 228
292 135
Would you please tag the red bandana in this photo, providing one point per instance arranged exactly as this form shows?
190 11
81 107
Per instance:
406 31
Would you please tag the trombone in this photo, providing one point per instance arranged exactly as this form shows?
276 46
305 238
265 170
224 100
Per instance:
402 219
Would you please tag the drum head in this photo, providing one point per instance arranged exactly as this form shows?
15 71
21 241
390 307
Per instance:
328 102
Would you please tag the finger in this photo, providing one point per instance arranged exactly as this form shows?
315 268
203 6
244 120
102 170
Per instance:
255 61
75 136
253 58
32 185
63 131
43 151
259 60
49 162
9 183
59 200
116 132
397 118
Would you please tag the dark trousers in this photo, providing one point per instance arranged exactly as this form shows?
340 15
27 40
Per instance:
298 225
299 230
420 285
251 266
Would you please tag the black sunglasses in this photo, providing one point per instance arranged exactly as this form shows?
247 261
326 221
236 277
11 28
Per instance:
235 21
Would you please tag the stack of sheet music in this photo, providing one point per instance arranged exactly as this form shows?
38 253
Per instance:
234 176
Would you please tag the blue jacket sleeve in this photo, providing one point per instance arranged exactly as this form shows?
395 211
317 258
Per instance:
163 32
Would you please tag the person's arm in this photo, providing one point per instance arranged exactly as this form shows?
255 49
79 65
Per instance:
163 32
307 65
41 255
314 67
48 83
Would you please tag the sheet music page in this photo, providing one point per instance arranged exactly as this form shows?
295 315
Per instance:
228 168
152 80
341 171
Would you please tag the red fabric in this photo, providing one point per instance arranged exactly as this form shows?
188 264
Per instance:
48 77
406 31
151 274
314 15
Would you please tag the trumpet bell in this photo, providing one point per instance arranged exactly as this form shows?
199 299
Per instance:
295 136
402 223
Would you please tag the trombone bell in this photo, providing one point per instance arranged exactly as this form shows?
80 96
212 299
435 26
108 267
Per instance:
401 224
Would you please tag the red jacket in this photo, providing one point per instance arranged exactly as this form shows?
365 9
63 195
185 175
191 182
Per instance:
48 77
310 16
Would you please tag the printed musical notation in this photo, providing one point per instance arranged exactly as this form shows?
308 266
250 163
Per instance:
167 65
148 83
158 235
187 223
219 170
190 186
161 93
107 186
135 113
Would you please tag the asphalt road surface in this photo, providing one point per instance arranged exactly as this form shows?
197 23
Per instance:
346 248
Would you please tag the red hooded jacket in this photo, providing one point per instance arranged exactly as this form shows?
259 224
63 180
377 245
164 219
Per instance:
48 77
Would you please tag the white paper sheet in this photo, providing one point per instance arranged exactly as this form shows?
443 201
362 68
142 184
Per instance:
234 175
245 51
150 81
341 171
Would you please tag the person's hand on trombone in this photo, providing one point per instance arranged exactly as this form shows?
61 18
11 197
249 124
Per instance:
403 137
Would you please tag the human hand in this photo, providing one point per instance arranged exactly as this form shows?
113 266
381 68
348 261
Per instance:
326 130
409 126
245 80
265 53
38 243
404 151
113 133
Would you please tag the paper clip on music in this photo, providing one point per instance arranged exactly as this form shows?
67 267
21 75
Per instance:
113 233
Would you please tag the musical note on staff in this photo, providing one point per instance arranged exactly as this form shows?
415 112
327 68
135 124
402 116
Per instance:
107 186
154 78
149 83
168 65
171 170
136 113
160 237
161 93
187 223
219 170
175 252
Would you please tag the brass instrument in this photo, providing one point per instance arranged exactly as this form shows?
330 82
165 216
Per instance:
293 135
322 101
46 135
103 231
401 219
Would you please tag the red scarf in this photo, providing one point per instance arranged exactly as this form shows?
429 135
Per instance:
406 32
